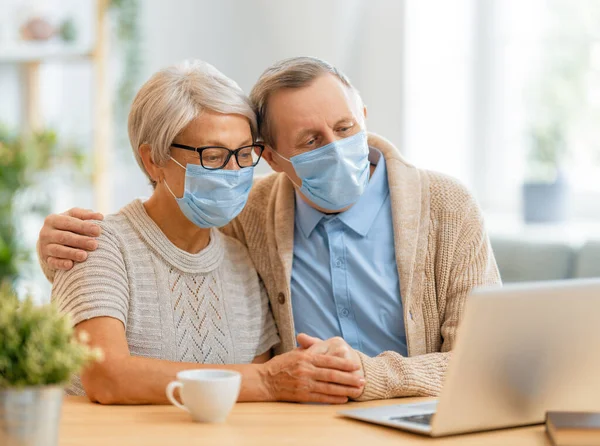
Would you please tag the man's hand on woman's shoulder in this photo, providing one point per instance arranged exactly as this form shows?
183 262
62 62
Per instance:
67 238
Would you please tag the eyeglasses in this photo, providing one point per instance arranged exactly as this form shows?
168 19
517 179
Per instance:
216 157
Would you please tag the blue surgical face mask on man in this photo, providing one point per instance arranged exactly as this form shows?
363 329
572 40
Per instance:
336 175
212 198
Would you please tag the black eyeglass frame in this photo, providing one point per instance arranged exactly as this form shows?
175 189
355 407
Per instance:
231 153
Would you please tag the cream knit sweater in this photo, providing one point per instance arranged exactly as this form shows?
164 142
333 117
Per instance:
207 308
442 252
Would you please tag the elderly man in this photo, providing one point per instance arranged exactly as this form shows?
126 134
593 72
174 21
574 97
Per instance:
363 255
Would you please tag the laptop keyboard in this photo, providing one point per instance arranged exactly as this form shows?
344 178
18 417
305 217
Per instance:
424 419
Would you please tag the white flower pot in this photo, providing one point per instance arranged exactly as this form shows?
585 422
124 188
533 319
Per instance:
30 416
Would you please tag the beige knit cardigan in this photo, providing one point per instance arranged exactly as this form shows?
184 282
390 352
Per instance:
442 252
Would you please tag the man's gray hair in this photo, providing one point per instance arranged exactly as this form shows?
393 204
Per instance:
175 96
296 72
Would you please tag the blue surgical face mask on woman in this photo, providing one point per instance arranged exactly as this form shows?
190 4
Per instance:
336 175
212 198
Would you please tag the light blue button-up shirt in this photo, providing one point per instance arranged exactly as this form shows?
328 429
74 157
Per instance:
344 275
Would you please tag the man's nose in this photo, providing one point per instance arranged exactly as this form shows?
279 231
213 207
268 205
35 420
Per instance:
232 164
329 137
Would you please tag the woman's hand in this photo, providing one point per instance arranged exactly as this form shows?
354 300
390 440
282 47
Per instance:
66 238
334 347
303 376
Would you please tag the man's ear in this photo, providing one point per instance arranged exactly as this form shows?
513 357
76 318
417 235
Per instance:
151 167
365 111
272 159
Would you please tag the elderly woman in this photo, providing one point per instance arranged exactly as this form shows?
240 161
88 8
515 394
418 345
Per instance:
165 291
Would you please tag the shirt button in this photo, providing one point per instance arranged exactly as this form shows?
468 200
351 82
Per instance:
338 262
281 298
345 312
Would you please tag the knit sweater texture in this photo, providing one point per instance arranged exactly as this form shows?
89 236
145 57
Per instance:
205 308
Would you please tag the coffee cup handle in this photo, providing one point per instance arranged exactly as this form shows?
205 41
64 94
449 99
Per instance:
170 389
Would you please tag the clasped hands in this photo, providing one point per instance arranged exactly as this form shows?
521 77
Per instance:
323 371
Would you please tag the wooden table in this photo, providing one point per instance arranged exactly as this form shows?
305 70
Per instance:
264 424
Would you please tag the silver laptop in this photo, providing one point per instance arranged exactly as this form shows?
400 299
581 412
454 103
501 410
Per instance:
520 351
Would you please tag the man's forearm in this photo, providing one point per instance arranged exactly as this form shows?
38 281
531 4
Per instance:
138 380
391 375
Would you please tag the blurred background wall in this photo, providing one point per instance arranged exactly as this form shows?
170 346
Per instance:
502 94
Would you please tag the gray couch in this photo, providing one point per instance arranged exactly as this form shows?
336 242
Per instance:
526 260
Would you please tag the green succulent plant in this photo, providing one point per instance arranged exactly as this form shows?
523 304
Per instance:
38 344
68 31
548 151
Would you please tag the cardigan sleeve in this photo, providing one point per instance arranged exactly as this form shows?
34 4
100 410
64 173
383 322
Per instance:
390 374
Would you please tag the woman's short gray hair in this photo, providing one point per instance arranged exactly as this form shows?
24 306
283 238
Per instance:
295 72
175 96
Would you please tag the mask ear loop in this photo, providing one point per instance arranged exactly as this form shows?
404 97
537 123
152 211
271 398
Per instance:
289 161
167 184
178 163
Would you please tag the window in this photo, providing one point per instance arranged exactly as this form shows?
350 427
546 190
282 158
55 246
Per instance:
496 91
545 70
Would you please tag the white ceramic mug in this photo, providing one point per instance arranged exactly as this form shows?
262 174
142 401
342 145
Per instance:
209 395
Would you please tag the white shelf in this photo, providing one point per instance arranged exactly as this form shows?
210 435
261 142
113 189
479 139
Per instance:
29 57
42 52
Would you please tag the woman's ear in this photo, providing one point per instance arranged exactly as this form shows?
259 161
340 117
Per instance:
151 167
272 159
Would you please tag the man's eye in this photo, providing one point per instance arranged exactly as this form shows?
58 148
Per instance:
311 142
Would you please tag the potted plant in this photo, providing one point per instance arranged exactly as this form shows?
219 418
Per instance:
25 161
545 192
39 354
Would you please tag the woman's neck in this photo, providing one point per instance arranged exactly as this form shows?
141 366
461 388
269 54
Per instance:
164 210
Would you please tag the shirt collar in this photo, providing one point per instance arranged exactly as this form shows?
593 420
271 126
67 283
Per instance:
359 217
306 217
